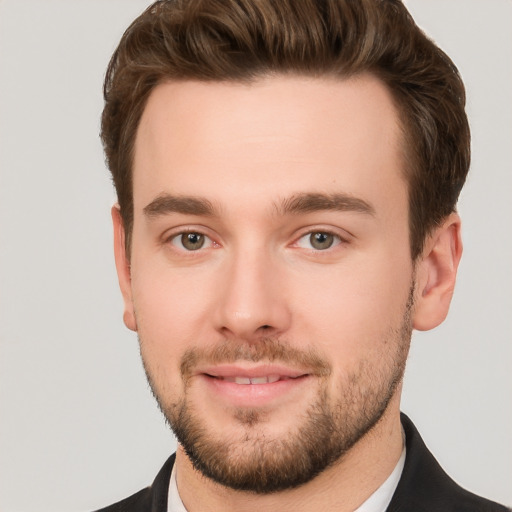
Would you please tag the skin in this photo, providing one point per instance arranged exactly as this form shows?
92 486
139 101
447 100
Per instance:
258 277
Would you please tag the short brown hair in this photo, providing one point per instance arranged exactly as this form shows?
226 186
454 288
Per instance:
242 40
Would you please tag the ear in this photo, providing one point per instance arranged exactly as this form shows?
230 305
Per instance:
123 268
436 271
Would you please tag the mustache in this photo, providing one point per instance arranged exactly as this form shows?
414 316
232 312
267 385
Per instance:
268 350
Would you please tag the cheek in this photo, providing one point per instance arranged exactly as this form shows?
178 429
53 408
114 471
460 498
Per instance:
171 310
352 308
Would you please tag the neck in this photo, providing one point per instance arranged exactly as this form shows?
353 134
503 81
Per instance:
342 487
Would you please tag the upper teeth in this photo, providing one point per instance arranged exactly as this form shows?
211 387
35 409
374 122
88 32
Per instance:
253 380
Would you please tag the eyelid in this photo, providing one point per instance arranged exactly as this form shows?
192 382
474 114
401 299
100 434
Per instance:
175 233
176 242
342 238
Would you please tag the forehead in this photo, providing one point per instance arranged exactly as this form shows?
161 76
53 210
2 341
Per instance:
268 139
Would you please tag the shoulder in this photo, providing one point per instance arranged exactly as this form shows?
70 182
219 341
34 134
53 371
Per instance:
425 487
150 499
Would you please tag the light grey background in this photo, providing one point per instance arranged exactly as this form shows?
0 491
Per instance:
78 427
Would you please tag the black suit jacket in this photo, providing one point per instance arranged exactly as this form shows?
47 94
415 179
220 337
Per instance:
423 486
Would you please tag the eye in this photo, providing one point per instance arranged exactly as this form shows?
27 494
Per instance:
318 240
191 241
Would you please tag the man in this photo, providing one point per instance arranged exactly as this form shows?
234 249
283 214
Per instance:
287 175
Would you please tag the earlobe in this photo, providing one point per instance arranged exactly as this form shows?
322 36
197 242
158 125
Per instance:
123 268
436 273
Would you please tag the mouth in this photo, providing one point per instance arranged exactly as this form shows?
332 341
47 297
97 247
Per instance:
252 385
243 380
247 374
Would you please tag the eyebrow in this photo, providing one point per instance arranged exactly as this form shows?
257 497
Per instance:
166 204
188 205
313 202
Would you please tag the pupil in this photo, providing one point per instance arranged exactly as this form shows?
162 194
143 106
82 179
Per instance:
321 240
192 241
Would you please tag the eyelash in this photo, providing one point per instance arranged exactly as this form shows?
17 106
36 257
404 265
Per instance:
176 240
337 240
178 237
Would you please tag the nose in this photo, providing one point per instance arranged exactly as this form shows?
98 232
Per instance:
252 303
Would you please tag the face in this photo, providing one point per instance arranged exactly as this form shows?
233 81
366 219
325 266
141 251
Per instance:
270 278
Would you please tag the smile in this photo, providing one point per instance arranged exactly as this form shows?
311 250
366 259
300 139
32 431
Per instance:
267 379
252 385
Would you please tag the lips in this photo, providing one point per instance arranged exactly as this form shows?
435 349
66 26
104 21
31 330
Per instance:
251 374
266 379
248 384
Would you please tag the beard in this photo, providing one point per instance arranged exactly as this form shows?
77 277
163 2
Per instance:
258 462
